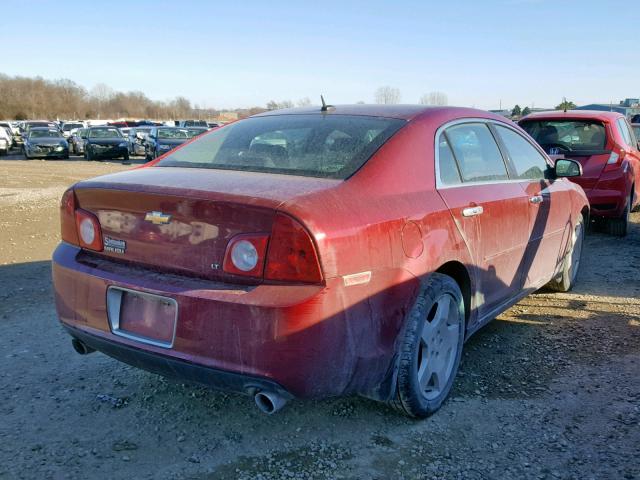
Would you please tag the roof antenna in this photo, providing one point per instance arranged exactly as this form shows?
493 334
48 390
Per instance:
325 107
564 104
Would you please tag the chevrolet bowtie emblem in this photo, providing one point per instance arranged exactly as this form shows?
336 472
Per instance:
157 218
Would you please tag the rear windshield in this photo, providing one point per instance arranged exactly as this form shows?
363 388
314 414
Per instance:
559 136
104 133
326 146
70 126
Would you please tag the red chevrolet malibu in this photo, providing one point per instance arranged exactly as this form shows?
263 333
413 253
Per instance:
309 253
606 146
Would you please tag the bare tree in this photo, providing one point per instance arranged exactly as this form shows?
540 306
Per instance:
273 105
387 95
434 98
303 102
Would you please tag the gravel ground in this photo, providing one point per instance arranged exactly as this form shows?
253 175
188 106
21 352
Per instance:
551 389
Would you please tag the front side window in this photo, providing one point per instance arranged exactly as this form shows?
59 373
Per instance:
325 146
477 153
529 164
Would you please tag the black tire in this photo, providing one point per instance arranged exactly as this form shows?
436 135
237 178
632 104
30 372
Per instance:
571 263
88 155
411 398
126 157
619 227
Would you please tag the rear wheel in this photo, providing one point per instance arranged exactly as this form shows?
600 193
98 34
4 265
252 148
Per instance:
88 155
619 226
571 262
431 348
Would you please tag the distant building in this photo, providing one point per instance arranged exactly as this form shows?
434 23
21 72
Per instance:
628 107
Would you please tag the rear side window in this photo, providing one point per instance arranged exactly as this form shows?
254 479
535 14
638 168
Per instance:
477 153
449 173
529 164
624 131
326 146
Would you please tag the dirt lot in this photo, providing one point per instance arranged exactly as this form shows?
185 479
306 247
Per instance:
551 389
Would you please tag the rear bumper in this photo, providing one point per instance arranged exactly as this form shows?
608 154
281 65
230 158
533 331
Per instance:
171 367
314 341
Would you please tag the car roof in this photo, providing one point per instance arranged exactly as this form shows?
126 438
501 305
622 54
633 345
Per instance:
405 112
581 114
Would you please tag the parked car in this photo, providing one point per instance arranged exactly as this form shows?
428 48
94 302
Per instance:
355 255
76 141
44 142
6 141
311 254
213 125
162 139
136 139
606 147
105 142
6 126
69 127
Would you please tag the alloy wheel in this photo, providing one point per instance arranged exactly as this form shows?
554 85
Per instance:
438 347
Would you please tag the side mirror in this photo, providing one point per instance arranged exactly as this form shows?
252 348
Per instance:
567 168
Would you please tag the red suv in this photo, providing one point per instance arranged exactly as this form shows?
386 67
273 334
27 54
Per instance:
312 253
606 146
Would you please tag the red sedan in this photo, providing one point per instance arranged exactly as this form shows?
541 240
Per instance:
311 253
606 146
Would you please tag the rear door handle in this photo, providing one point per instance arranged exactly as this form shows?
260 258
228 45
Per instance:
536 199
472 211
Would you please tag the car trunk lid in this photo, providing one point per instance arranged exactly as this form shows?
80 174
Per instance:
181 219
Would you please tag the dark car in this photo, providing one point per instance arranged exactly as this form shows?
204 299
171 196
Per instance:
607 149
105 142
45 142
312 253
163 139
76 141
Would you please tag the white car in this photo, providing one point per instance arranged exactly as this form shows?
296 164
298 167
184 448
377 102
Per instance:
5 141
68 128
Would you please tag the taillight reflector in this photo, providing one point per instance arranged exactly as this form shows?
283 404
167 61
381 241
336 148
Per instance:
245 255
89 232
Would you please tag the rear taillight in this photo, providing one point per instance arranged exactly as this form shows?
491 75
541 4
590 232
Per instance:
615 161
292 257
68 230
246 254
89 232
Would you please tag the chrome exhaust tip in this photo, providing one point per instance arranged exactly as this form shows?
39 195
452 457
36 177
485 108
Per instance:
269 402
80 347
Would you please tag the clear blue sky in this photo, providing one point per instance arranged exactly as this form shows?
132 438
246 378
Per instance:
244 53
